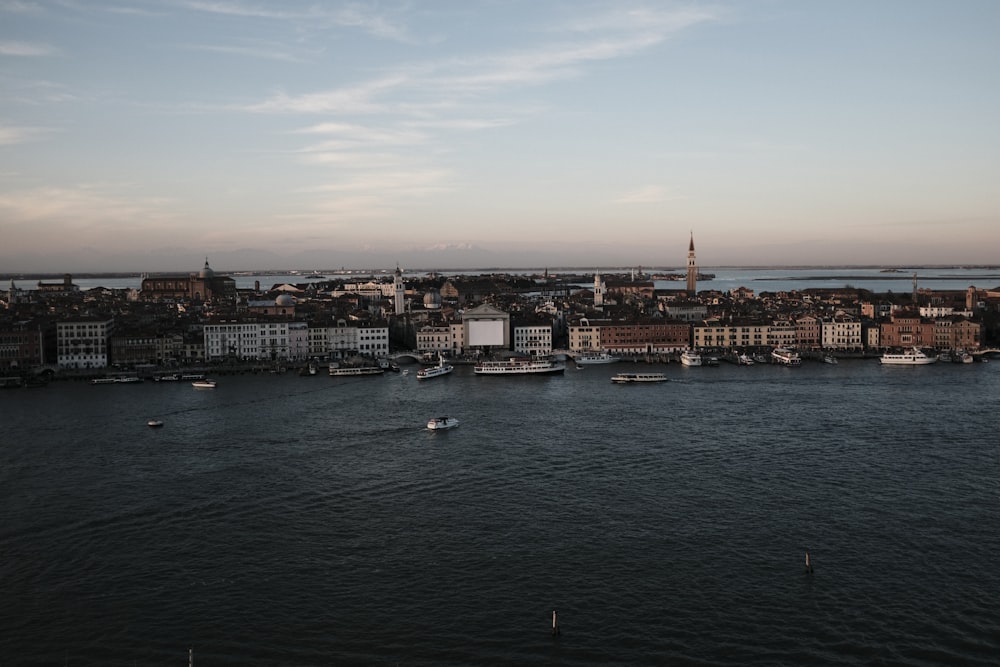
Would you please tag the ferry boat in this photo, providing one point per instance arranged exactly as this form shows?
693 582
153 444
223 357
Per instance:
911 357
337 370
603 357
442 423
690 358
435 371
786 357
519 366
623 378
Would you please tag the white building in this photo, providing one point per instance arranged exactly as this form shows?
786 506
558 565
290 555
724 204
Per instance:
533 340
345 340
841 334
83 343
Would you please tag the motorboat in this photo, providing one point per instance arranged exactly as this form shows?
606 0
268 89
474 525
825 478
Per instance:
624 378
690 358
154 423
204 384
442 423
911 357
829 359
744 360
435 371
786 357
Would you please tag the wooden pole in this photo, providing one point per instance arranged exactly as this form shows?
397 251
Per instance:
809 567
555 624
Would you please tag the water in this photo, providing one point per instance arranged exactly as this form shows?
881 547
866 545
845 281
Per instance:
726 279
281 520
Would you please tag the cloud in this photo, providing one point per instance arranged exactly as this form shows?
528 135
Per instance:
19 134
24 49
647 194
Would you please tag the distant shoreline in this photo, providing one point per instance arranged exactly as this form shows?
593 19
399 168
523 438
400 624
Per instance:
888 273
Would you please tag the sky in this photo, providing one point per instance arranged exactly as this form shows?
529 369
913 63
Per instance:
149 135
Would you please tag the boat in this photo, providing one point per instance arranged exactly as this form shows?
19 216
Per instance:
519 366
204 384
442 423
829 359
595 357
340 371
624 378
690 358
172 377
154 423
966 358
103 381
785 357
435 371
710 361
744 360
911 357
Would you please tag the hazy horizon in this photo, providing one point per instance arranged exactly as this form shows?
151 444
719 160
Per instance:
145 134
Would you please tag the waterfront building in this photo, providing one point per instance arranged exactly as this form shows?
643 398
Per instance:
486 327
714 334
648 336
782 334
134 346
905 329
533 339
841 333
83 342
351 339
808 332
957 333
21 347
441 339
585 336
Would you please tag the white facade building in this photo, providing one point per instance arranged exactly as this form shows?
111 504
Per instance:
83 343
534 340
841 334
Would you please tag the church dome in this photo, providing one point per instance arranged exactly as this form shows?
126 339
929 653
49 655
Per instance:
285 300
207 271
432 299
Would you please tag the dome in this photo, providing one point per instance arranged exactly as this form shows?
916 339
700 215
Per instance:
285 300
206 272
432 299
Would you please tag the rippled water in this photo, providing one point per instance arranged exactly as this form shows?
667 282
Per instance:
280 520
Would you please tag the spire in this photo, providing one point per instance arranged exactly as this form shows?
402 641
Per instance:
691 247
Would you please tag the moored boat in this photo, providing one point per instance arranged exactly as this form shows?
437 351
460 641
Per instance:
785 357
595 357
442 423
337 370
625 378
204 384
829 359
519 366
690 358
911 357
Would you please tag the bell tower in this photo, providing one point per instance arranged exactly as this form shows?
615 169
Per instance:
692 270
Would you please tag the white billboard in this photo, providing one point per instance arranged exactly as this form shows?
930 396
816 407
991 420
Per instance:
486 332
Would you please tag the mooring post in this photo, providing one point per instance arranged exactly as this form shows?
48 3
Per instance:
555 623
809 567
190 657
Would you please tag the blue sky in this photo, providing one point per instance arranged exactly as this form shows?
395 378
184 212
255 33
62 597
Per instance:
148 134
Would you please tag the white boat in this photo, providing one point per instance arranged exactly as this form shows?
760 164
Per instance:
154 423
441 423
204 384
519 366
338 371
744 360
829 359
911 357
690 358
623 378
594 357
435 371
786 357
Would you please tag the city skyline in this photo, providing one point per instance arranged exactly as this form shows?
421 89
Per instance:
144 135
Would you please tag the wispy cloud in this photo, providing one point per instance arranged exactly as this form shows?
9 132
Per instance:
647 194
20 134
24 49
261 52
352 15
